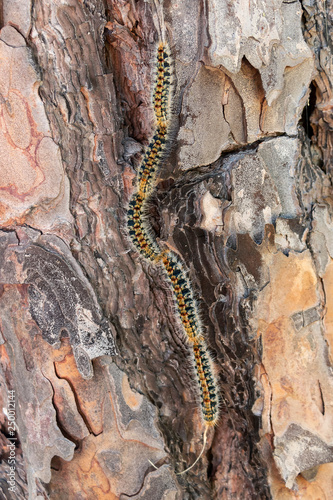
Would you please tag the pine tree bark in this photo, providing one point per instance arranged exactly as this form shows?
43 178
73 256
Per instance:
95 374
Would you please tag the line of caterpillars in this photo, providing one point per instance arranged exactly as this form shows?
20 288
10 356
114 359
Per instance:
144 240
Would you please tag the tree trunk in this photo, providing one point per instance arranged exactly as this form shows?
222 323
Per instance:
96 378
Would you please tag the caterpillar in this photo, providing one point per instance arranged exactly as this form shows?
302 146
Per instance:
161 94
140 235
187 310
151 160
207 383
184 296
145 242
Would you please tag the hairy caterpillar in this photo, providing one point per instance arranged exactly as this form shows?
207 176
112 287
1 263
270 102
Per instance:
140 235
184 296
145 242
151 161
192 325
161 97
162 86
209 396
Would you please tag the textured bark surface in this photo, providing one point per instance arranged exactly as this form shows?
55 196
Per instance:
90 341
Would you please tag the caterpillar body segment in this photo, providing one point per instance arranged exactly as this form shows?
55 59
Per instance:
161 94
184 296
207 383
151 161
141 236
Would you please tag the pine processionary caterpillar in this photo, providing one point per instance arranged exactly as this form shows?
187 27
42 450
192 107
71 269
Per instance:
187 310
162 85
151 160
140 235
207 383
184 296
145 242
161 97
